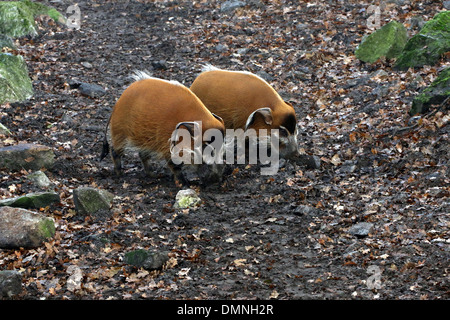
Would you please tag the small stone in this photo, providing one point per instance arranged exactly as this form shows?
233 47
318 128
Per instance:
39 179
221 48
305 210
187 198
90 201
159 65
146 259
10 283
74 281
231 5
91 90
309 161
86 64
361 230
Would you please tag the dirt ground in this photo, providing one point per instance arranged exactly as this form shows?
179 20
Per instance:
285 236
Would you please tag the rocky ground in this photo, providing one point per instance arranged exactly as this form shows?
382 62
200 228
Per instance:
371 223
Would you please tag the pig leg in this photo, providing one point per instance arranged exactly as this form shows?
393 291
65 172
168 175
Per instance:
117 159
177 173
145 158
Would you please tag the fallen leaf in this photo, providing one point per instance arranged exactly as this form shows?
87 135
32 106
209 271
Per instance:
336 160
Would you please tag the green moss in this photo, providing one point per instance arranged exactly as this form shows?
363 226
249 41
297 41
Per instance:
15 84
32 200
426 47
436 93
136 258
41 9
46 228
187 202
54 14
17 17
386 42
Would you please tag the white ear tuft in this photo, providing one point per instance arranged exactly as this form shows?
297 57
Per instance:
266 113
209 67
140 75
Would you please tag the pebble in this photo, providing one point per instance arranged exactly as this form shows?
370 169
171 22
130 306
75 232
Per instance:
361 230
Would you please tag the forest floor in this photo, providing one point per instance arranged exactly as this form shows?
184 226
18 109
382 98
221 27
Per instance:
286 236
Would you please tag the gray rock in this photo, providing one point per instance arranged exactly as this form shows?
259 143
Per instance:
32 200
91 90
446 5
10 283
187 198
146 259
24 228
263 74
39 179
309 161
231 5
90 201
159 65
242 51
86 64
305 210
75 278
417 22
347 167
26 156
221 48
361 230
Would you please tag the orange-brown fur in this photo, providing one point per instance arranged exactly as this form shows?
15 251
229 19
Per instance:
148 111
234 96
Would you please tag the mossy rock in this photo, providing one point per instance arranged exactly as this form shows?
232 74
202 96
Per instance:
15 84
436 93
6 42
26 156
187 198
387 42
32 200
23 228
146 259
91 201
427 47
17 17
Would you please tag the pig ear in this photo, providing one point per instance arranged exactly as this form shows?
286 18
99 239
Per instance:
289 104
217 117
188 125
265 113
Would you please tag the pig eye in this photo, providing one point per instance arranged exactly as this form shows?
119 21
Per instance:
283 132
